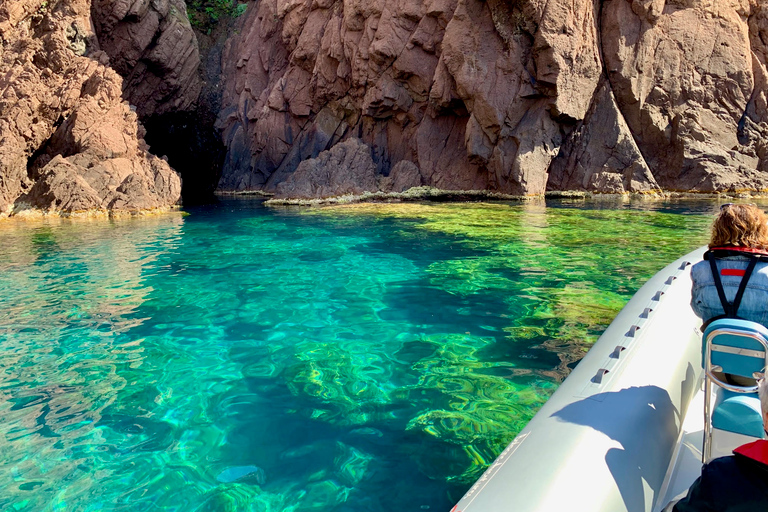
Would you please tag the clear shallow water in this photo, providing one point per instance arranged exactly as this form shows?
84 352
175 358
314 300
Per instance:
361 358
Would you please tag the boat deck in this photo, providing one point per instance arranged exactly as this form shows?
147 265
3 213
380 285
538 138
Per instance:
686 464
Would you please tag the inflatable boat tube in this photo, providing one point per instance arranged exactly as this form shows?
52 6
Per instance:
606 440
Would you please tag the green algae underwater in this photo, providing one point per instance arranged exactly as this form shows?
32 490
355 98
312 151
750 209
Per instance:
350 358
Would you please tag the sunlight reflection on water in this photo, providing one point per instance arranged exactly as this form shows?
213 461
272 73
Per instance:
373 357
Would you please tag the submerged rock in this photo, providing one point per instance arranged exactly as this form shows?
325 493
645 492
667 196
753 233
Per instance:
242 474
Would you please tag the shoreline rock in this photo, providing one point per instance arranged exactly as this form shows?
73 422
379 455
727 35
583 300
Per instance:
416 194
25 213
68 139
440 195
518 97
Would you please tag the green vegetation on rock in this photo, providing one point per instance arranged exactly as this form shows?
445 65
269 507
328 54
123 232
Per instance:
205 14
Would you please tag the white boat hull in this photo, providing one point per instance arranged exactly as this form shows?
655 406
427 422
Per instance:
613 441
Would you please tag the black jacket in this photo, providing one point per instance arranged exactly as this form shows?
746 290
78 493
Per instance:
738 483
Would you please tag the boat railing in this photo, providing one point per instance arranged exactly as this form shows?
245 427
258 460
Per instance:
733 347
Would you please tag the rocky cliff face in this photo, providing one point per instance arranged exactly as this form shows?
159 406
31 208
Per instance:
151 44
68 139
324 97
515 96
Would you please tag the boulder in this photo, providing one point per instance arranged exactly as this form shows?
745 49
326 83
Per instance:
403 176
68 141
345 169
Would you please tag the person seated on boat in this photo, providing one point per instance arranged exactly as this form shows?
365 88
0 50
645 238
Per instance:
736 483
738 250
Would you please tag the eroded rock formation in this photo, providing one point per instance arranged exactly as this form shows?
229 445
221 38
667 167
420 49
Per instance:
687 80
515 96
68 140
512 96
152 45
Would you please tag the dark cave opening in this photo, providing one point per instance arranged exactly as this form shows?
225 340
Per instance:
194 150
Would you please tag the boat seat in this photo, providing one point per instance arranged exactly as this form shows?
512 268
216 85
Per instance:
738 348
738 413
729 332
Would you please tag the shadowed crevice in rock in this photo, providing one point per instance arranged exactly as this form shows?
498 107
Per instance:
193 148
188 137
600 155
154 48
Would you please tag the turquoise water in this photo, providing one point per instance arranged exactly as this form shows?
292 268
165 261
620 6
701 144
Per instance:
365 358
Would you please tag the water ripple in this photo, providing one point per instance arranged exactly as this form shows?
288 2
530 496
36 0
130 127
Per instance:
352 358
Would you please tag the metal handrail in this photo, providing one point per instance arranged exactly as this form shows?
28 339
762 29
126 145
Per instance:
710 378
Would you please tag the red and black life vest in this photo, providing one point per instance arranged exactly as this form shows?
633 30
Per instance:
731 309
757 451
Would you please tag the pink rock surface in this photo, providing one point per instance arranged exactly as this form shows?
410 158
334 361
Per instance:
688 79
68 141
152 45
517 97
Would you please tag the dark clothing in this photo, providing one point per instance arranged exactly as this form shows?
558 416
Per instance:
738 483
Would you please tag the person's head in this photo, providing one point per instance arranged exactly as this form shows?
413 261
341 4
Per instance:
762 390
740 225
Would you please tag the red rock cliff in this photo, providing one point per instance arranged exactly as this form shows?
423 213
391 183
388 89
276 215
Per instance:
516 96
325 97
69 141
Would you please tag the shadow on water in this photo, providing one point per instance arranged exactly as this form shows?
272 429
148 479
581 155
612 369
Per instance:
645 422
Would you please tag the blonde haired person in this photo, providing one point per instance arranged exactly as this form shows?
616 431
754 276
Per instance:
737 483
732 281
739 235
740 225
